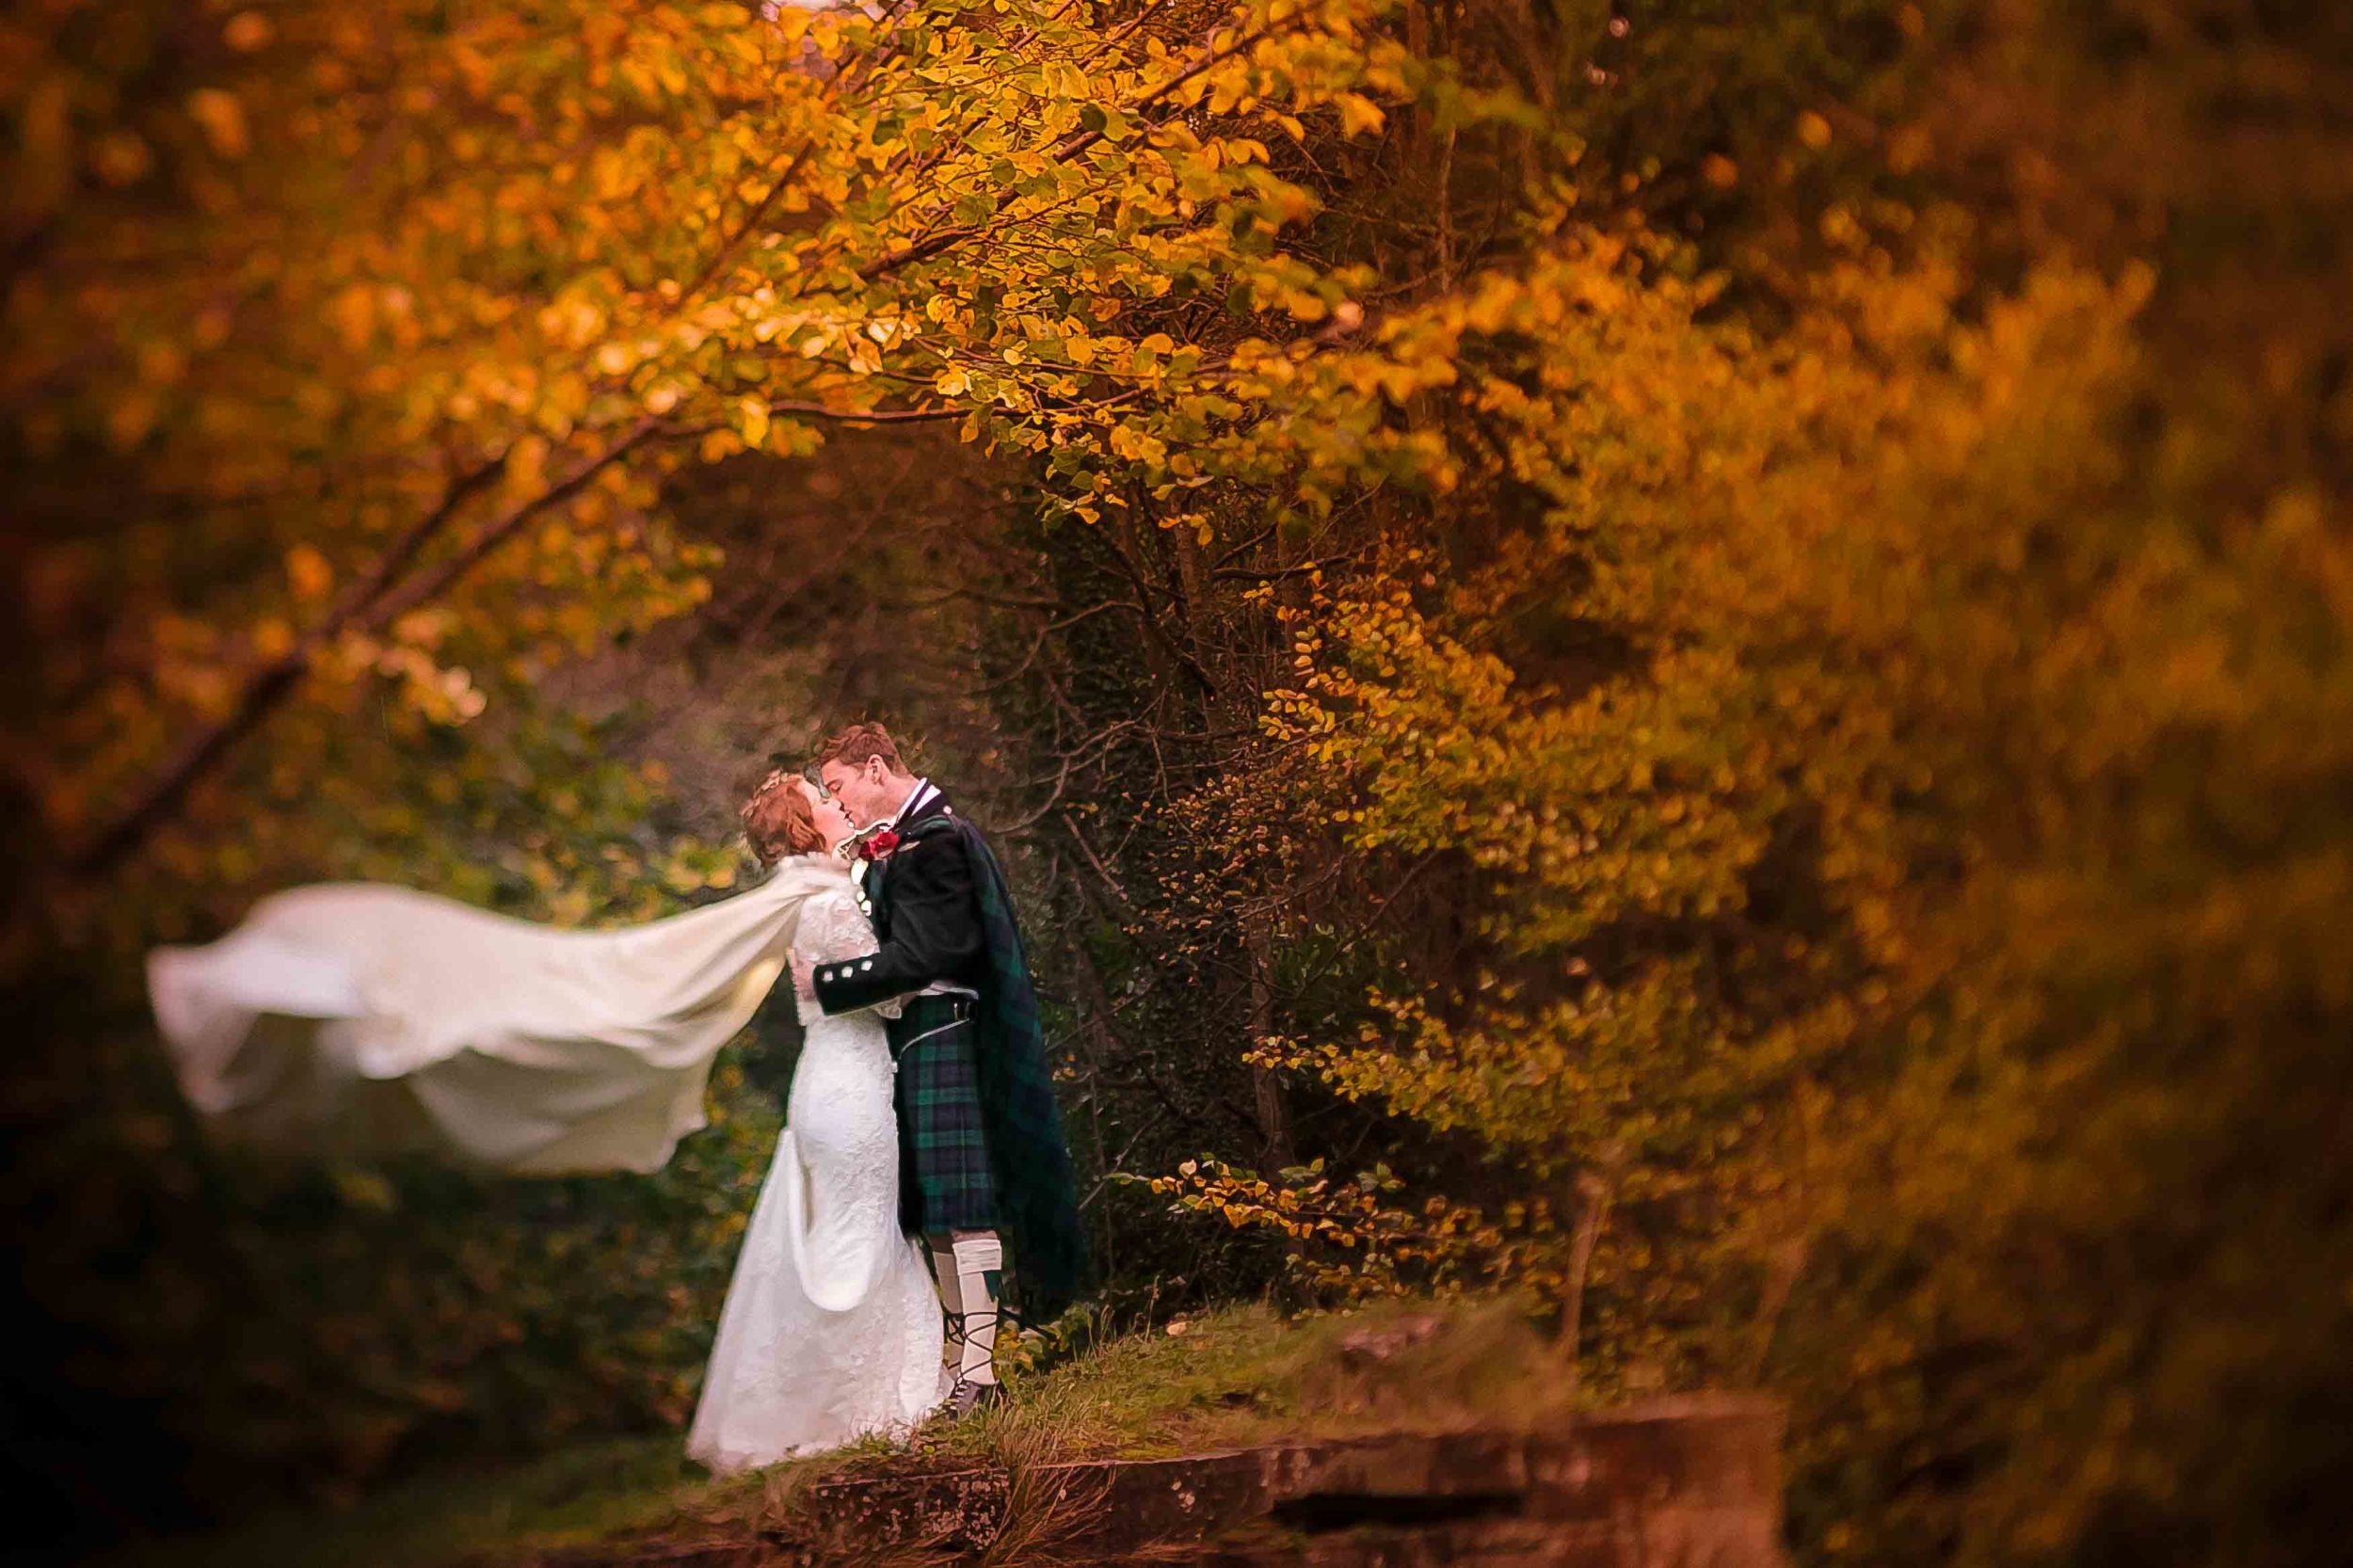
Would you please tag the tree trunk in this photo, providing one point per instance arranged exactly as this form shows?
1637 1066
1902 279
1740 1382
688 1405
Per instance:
1596 1191
1274 1130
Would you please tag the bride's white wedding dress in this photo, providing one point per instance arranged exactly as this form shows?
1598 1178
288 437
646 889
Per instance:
832 1327
360 1021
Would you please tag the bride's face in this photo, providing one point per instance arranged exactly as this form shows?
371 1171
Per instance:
832 821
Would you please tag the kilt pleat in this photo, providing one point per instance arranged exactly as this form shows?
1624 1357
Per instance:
944 1177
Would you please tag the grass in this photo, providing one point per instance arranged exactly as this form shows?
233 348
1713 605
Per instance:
1224 1380
1242 1376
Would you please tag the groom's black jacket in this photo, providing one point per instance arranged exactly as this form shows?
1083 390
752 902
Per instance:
926 912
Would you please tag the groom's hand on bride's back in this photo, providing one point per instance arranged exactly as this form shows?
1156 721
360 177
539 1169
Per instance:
803 975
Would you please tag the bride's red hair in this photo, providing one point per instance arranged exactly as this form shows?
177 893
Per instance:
777 820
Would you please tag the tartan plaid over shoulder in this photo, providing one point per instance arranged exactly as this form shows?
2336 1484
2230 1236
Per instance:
1038 1193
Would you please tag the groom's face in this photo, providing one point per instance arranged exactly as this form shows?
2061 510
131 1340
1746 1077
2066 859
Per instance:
866 791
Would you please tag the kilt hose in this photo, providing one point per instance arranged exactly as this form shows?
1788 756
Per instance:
944 1178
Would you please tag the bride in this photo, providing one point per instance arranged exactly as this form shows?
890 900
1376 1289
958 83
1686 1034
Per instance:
365 1021
832 1328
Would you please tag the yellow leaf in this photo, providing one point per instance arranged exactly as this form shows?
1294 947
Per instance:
272 637
1359 113
222 120
308 573
353 315
248 31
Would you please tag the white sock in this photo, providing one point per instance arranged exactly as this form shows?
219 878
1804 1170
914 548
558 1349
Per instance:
980 1273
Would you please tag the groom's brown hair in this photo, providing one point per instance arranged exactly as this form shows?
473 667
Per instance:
858 744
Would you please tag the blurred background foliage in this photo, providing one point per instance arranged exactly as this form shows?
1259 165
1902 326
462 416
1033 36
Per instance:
1694 657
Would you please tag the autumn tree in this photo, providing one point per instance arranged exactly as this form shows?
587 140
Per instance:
406 314
351 354
1709 642
1894 721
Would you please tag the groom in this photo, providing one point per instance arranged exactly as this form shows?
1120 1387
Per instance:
980 1137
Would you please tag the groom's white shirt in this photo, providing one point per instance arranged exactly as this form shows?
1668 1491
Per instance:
922 793
917 796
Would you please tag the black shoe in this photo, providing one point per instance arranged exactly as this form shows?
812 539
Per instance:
968 1397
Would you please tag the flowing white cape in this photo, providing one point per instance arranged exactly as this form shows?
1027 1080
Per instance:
356 1020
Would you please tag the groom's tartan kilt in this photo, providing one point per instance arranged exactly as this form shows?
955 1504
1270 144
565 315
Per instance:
944 1180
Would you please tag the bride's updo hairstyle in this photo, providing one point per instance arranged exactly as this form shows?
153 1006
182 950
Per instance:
777 820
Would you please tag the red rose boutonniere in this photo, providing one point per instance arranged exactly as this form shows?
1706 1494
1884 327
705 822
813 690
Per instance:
877 846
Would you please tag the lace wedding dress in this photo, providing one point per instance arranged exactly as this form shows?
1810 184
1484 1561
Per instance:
832 1327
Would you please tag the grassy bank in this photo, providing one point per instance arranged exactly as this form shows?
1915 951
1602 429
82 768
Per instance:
1225 1380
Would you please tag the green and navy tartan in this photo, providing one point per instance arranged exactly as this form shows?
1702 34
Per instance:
1037 1191
945 1181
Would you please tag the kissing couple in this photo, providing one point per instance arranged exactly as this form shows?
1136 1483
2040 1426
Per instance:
356 1020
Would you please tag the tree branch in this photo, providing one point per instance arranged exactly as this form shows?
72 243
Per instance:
375 602
433 585
269 684
1071 146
